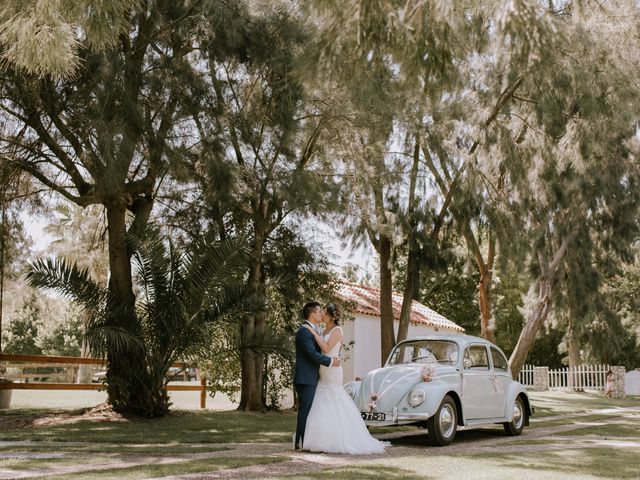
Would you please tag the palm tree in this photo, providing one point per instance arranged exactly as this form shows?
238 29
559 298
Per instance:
180 294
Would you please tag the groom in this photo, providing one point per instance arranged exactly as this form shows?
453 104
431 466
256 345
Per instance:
308 361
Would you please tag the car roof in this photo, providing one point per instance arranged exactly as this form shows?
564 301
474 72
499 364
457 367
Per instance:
459 338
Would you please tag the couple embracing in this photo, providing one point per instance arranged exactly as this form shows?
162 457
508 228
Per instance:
328 420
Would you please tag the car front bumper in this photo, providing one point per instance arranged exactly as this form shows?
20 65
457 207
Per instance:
397 418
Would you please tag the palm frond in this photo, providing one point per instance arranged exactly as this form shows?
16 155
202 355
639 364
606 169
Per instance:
116 341
152 265
225 342
69 280
214 265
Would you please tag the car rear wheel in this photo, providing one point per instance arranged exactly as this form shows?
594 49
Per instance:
515 426
441 427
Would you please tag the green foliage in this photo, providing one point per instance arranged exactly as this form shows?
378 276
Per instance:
613 335
507 297
180 294
545 351
23 329
297 273
15 243
44 38
63 338
452 293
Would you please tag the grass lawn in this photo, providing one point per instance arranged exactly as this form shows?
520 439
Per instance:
178 427
551 403
196 426
567 464
159 444
140 471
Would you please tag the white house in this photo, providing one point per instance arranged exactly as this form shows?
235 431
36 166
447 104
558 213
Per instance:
361 350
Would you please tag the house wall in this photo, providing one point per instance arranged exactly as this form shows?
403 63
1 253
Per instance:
347 351
364 354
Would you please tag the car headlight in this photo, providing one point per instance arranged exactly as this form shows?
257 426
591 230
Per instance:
417 396
350 391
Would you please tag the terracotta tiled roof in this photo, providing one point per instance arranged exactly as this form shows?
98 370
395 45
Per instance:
367 302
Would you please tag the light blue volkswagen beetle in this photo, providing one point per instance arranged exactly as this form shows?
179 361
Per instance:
443 381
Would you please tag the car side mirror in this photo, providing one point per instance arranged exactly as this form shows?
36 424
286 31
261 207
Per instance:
466 363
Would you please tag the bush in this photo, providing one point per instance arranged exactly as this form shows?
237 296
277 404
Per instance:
23 329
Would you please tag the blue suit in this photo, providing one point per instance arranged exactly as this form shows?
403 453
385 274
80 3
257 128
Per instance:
308 361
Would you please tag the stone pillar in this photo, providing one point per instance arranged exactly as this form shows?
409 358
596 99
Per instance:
540 378
618 381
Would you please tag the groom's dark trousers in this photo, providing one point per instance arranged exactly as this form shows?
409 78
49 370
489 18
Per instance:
308 361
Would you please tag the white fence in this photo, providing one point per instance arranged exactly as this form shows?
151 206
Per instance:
526 376
582 377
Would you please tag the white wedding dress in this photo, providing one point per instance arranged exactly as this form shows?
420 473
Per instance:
334 424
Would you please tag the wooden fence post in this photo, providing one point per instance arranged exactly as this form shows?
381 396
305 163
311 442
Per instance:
203 392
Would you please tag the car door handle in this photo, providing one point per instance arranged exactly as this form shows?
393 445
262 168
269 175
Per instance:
492 377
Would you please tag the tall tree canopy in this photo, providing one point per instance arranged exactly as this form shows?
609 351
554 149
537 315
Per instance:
105 135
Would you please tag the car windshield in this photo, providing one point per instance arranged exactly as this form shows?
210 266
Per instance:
425 351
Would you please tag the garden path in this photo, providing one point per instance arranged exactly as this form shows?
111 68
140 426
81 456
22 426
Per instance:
404 443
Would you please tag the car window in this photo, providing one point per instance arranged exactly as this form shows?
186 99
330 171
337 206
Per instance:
475 358
499 361
425 351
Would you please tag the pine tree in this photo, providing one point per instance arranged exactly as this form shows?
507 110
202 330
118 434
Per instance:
104 135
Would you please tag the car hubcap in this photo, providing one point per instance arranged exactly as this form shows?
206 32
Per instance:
446 420
517 415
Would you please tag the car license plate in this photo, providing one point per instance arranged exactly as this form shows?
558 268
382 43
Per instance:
373 416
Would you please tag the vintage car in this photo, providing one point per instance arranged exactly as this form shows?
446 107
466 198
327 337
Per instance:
442 381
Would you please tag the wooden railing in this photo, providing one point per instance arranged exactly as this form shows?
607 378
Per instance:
53 365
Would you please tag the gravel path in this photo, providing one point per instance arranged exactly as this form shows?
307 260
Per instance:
406 443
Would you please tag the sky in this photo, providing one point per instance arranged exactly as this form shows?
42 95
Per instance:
324 236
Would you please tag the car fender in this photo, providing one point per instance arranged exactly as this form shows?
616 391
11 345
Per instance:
516 389
436 391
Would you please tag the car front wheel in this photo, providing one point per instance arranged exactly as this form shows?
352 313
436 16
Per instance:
441 427
515 426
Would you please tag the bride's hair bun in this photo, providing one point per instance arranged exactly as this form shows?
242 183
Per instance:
332 310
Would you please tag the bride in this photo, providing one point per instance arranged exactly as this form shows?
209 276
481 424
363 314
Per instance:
334 424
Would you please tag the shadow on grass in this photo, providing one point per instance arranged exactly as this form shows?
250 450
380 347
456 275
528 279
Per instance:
559 402
364 472
418 437
206 427
177 427
167 469
600 462
613 430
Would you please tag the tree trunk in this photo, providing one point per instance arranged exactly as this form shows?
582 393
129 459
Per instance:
252 364
413 266
130 387
542 290
487 322
573 347
408 295
387 335
535 318
2 249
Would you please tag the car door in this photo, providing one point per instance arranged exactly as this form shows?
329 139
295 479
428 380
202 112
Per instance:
501 380
478 390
